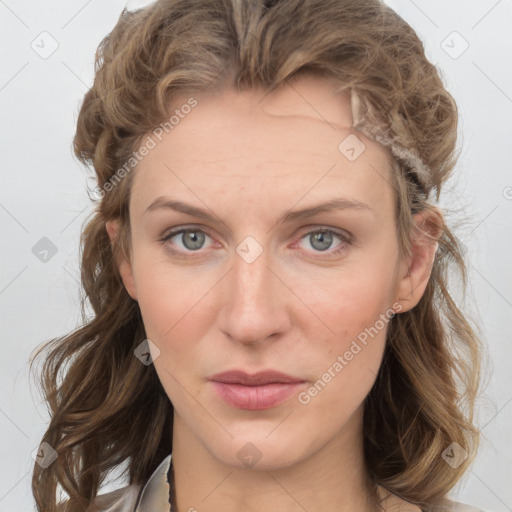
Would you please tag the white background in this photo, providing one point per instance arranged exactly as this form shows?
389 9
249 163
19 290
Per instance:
43 194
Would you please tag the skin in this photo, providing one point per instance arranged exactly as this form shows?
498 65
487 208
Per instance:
250 157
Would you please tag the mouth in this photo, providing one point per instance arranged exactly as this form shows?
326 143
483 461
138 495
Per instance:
262 390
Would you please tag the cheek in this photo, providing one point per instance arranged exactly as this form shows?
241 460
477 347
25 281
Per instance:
177 308
177 314
169 301
355 306
346 364
354 299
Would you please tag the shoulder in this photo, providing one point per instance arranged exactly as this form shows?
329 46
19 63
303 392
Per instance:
455 506
393 503
120 500
146 497
152 495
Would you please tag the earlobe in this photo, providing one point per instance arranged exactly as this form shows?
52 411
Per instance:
124 265
416 269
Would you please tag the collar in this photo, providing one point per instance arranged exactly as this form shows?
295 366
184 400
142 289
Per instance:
154 496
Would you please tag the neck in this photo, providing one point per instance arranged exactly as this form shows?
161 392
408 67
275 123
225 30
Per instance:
332 479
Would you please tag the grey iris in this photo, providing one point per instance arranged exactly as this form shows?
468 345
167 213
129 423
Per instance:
325 240
196 239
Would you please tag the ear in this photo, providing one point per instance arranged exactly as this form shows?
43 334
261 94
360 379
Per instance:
123 264
414 270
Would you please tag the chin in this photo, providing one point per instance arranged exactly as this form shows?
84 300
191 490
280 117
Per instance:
256 452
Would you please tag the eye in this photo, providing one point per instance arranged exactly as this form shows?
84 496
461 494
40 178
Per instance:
191 239
322 239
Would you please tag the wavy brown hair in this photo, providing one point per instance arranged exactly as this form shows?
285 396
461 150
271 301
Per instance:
106 407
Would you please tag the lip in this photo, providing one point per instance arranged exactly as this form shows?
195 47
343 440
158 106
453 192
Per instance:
256 379
259 391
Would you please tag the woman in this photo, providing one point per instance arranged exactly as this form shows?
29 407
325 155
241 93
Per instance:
267 269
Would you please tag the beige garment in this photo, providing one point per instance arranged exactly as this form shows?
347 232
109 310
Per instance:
154 496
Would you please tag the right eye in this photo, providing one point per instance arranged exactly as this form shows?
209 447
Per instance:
188 240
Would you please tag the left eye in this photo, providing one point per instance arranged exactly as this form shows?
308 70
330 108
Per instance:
321 239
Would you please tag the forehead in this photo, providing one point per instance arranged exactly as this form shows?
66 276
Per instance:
293 144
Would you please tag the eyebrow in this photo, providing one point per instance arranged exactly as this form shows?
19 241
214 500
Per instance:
289 216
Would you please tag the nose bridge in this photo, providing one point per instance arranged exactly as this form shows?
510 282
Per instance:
255 305
251 278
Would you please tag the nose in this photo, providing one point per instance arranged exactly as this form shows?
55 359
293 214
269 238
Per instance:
256 301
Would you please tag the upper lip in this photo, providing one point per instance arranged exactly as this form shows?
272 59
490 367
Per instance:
260 378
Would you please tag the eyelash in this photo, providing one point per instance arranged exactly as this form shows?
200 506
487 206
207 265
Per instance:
345 239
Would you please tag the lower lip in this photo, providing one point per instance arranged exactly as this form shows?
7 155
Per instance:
256 398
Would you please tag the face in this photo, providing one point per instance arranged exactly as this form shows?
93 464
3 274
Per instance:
250 284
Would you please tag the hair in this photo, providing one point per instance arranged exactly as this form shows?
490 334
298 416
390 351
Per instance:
105 405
